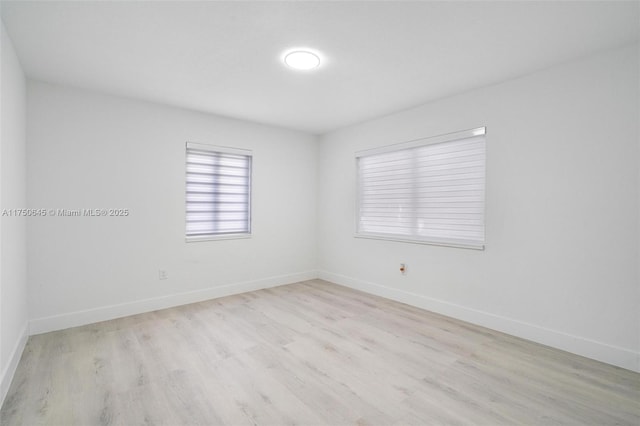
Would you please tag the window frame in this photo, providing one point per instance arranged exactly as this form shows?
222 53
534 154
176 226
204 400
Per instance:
220 150
416 143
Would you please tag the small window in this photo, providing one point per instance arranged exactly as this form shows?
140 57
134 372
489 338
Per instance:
218 192
429 191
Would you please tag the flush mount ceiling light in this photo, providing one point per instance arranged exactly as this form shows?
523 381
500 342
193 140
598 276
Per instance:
302 60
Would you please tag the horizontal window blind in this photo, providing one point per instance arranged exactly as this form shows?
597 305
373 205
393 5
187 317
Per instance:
430 192
218 192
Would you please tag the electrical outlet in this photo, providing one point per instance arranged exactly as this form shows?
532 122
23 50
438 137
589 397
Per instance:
162 274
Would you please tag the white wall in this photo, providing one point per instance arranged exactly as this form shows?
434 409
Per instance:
13 284
87 150
561 263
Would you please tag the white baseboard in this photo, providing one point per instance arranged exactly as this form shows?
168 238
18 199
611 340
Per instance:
104 313
621 357
10 368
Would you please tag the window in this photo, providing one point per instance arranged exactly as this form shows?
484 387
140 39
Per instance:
218 192
426 191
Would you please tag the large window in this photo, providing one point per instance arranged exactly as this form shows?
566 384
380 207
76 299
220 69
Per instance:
218 192
428 191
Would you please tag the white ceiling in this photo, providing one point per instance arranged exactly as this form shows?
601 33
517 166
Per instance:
378 57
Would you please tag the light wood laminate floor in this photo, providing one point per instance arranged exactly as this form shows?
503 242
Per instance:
309 353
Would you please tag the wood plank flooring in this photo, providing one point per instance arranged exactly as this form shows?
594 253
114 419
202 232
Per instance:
310 353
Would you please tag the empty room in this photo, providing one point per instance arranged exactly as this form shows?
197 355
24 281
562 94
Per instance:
320 213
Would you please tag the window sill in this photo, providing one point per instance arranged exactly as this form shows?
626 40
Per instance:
400 239
217 237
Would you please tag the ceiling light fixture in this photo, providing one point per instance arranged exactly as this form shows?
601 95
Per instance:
302 60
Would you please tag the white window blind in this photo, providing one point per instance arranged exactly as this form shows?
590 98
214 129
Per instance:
218 192
426 191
